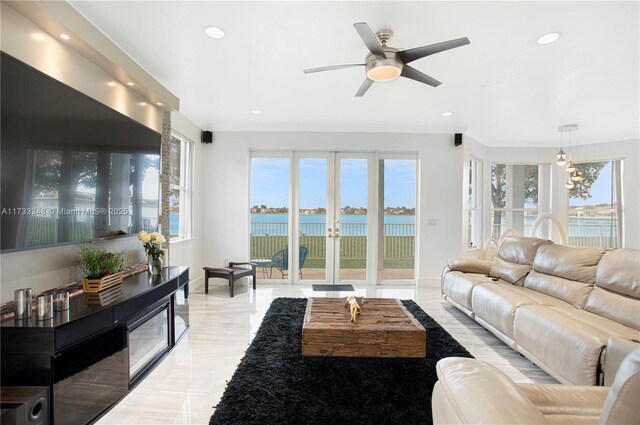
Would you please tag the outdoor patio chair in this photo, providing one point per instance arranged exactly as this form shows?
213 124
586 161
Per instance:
280 261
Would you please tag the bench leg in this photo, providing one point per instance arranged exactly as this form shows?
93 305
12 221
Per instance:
254 279
206 282
231 285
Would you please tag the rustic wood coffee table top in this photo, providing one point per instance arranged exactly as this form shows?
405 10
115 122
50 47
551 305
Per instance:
384 328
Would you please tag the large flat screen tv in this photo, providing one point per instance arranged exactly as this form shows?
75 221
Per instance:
73 169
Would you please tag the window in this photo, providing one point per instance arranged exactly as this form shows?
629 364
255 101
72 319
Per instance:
269 208
514 198
179 187
474 224
594 207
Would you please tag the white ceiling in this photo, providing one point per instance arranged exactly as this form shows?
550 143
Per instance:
504 89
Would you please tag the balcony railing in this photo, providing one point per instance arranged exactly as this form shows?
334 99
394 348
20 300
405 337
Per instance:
579 234
399 241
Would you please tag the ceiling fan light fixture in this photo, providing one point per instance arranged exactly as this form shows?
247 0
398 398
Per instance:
383 73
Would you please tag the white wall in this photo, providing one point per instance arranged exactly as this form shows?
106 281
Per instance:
47 268
189 252
224 178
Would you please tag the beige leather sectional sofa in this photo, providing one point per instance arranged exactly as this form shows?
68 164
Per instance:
554 304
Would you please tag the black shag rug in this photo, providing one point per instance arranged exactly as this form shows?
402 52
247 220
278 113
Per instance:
275 384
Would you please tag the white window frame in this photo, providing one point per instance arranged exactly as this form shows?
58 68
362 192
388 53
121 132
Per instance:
542 194
617 166
185 187
474 232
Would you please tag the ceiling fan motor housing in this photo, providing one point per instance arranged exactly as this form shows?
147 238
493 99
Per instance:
382 70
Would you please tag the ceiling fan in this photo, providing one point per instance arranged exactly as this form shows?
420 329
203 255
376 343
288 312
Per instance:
386 63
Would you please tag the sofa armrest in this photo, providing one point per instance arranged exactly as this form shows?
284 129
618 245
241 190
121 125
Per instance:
469 391
617 350
469 265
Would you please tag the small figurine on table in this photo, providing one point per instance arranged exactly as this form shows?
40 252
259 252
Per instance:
353 307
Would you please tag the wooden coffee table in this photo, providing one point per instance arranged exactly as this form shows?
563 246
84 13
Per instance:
384 329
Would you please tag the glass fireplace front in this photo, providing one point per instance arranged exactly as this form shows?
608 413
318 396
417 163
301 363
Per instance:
149 339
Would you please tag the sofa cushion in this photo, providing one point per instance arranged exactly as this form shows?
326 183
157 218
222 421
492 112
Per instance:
611 327
565 272
458 286
570 291
619 308
514 258
567 404
566 348
496 303
568 262
619 271
621 405
469 265
617 292
469 391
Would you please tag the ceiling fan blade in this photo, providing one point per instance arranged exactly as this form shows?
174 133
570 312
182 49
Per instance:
414 74
410 55
369 39
331 68
364 87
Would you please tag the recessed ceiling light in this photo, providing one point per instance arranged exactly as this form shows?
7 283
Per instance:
256 111
214 32
37 36
130 84
142 103
65 37
446 114
111 84
548 38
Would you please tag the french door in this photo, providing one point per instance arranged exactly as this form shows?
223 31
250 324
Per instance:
332 216
341 229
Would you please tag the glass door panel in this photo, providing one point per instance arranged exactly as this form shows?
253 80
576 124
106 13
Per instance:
396 218
351 224
269 233
312 219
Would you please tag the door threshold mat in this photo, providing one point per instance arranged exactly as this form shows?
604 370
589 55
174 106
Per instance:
333 288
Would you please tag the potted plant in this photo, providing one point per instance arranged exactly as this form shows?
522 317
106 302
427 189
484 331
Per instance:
100 267
152 243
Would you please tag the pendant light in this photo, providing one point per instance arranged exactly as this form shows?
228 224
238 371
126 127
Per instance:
570 128
561 156
569 184
576 176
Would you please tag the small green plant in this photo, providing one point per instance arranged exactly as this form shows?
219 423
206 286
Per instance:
96 263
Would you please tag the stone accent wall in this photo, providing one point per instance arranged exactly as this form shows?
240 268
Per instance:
164 181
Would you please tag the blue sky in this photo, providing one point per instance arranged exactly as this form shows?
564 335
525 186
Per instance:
270 182
600 190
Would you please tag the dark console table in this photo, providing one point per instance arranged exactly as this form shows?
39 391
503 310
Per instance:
92 354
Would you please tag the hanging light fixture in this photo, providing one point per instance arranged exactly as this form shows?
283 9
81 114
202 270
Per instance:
568 128
561 156
576 176
569 184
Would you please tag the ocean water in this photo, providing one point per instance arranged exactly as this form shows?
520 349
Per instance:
316 224
395 225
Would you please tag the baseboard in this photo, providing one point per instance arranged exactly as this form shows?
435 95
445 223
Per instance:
196 283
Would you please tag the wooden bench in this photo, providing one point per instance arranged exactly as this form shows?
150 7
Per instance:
231 273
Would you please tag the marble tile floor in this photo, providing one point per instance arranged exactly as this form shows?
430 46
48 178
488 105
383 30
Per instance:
189 382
